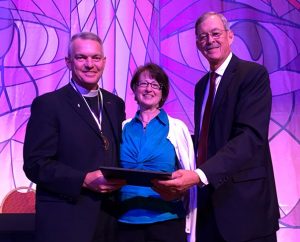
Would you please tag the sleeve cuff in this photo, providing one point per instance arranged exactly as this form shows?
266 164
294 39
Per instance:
202 177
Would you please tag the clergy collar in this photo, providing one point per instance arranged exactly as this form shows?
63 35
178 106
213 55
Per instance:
84 92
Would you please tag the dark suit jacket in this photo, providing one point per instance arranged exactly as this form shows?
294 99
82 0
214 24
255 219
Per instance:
62 144
239 167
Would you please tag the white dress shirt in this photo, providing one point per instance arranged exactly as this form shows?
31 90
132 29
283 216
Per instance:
220 71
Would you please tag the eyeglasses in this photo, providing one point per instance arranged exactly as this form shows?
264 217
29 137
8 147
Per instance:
216 34
154 85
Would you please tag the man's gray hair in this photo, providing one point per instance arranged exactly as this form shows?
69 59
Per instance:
204 16
83 35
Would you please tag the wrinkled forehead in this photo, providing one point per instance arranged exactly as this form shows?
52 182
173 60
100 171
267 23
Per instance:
80 45
210 23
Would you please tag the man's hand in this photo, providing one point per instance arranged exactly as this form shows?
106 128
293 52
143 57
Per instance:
167 194
181 181
95 181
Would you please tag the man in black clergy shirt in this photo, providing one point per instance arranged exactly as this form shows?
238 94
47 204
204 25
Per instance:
71 132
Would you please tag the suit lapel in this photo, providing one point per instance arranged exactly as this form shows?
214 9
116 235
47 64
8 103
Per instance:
226 81
79 106
199 96
108 108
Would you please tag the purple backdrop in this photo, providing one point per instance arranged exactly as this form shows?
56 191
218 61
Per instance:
33 44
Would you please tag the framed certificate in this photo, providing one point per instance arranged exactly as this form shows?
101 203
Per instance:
134 176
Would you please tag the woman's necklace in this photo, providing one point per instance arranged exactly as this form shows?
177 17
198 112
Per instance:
144 122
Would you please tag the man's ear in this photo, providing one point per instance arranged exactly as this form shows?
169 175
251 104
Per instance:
230 36
68 62
104 61
198 45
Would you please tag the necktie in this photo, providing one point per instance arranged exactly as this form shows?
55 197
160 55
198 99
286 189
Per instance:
202 145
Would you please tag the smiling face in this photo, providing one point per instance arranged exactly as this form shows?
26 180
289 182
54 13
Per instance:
147 97
213 40
86 62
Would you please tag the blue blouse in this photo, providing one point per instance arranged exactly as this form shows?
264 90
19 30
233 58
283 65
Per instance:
147 149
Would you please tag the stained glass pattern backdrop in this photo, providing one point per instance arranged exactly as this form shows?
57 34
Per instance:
33 43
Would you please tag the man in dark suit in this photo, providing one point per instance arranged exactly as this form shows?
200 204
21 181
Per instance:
236 197
71 132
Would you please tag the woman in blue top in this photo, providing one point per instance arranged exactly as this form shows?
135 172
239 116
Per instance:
152 140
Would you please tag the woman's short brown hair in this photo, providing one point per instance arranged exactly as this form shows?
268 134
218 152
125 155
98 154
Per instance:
155 72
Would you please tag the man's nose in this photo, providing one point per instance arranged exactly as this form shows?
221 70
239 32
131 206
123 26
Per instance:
89 62
210 38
